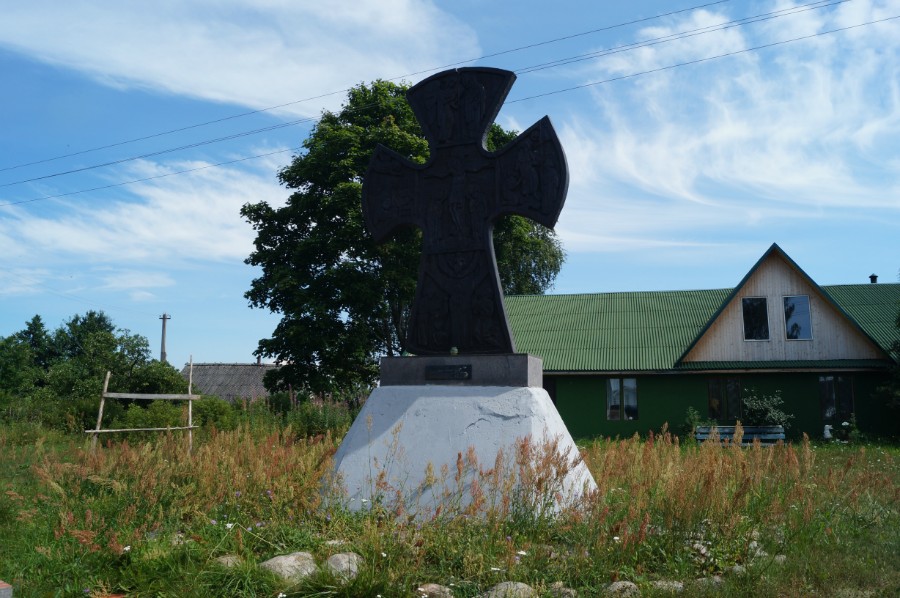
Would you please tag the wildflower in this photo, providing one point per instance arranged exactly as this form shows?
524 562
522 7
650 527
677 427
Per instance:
212 521
496 569
87 590
522 553
282 595
364 499
126 548
237 493
229 525
259 524
384 554
616 538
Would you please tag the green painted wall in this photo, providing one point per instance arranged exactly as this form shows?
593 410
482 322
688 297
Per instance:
581 401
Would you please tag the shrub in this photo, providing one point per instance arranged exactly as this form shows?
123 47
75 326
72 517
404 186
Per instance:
213 411
764 410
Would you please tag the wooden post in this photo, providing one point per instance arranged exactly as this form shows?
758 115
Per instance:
190 405
100 411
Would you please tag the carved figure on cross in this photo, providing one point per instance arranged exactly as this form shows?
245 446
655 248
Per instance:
455 198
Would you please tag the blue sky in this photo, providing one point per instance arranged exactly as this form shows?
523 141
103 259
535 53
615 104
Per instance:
680 178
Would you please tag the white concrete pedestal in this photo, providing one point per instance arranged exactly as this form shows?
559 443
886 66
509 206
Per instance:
422 450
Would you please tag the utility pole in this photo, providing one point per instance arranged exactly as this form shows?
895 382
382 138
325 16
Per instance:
162 351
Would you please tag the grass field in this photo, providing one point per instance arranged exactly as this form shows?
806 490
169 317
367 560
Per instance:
140 517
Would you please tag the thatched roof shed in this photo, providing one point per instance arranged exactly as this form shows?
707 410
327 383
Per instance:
230 381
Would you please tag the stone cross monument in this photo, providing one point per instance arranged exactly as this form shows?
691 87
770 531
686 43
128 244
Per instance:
455 199
480 401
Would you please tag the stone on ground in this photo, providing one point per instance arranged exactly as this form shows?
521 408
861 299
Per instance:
510 589
433 590
559 590
664 585
344 564
293 567
622 588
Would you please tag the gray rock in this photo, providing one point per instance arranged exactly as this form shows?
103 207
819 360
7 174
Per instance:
335 542
780 559
737 569
510 589
229 560
293 567
622 588
663 585
559 590
344 564
715 580
433 590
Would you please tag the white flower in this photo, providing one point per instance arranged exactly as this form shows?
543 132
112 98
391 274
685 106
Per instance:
282 595
384 554
522 553
126 549
229 525
845 424
496 569
615 538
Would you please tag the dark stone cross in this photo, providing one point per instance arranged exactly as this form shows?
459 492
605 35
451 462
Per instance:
455 199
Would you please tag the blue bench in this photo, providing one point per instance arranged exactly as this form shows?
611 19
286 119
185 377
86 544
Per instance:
765 434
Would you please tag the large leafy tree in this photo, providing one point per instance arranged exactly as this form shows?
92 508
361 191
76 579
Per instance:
343 299
57 378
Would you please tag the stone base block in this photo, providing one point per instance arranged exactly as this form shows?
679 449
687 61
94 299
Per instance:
510 369
420 450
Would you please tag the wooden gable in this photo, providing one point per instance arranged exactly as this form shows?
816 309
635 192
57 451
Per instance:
834 335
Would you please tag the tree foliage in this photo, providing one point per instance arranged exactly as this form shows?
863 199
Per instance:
343 299
57 378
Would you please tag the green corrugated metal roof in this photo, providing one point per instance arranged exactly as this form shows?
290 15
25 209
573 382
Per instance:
831 364
873 306
645 331
610 331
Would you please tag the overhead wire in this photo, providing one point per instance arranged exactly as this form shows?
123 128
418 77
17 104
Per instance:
513 101
644 43
331 93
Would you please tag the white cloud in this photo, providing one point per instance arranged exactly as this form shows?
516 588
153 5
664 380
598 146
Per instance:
805 132
192 217
256 53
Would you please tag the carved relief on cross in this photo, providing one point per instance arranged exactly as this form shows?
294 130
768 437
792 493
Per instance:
455 198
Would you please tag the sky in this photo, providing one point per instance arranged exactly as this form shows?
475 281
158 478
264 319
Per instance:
697 134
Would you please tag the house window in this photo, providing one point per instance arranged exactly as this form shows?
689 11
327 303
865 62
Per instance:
724 399
797 323
621 399
836 397
756 319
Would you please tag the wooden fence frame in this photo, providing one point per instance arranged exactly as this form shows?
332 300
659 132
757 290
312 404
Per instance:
190 398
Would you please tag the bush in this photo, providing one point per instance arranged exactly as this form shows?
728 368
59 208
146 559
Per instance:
213 411
764 410
159 414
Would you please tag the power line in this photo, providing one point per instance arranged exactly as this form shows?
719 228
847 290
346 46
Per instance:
560 62
683 35
331 93
149 178
545 94
708 58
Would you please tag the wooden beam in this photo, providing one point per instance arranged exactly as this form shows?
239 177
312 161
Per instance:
130 395
141 429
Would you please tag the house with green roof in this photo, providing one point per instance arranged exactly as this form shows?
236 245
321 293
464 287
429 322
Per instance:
620 363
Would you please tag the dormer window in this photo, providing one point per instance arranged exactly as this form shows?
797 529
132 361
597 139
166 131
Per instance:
797 322
756 319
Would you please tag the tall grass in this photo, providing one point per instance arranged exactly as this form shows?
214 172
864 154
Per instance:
147 518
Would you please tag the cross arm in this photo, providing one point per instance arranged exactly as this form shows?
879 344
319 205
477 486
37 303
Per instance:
533 175
389 194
